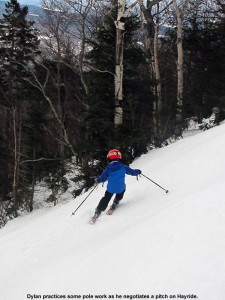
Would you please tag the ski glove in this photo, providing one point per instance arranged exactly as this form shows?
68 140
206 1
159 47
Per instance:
139 172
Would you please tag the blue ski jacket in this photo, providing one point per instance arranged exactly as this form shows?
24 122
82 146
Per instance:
115 174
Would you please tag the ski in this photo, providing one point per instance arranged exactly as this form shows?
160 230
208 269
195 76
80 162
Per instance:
95 218
97 214
92 221
111 210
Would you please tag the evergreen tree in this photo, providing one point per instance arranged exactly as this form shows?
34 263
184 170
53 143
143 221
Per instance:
205 67
18 42
18 50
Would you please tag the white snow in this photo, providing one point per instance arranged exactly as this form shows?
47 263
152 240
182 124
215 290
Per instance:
155 246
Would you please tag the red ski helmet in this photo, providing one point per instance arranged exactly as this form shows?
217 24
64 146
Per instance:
114 154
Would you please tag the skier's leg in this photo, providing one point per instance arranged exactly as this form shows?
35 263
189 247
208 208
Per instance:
104 202
117 199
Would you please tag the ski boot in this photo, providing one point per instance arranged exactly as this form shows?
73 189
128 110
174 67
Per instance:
95 217
112 208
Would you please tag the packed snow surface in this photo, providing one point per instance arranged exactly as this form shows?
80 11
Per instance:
155 245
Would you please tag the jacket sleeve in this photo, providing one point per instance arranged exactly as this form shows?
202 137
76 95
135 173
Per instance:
132 172
103 177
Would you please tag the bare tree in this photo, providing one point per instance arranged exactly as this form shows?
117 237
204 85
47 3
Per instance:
221 6
150 13
41 85
122 13
80 14
180 9
153 12
156 62
215 9
70 25
56 26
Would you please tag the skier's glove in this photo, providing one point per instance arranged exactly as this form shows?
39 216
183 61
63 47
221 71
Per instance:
139 172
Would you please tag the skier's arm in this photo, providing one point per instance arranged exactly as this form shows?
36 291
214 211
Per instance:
103 177
132 172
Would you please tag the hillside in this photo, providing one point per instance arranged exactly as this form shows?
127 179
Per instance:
155 246
35 11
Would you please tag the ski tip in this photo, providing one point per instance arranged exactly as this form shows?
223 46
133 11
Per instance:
167 191
92 222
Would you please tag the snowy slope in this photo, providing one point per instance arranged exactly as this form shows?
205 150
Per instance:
171 245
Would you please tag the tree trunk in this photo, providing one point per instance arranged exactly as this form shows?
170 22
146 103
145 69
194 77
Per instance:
180 76
81 56
7 161
31 200
158 87
17 142
152 46
156 62
120 30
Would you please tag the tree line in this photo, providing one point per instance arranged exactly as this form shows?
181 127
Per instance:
94 75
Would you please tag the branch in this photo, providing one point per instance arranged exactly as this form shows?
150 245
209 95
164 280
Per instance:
41 88
39 159
100 71
127 11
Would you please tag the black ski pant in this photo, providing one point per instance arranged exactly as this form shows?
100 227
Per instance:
107 197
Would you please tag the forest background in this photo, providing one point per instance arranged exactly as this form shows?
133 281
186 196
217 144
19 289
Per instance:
87 76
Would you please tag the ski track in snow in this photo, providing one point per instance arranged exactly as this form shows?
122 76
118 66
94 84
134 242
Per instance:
154 243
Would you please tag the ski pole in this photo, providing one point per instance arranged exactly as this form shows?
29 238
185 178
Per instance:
73 213
167 191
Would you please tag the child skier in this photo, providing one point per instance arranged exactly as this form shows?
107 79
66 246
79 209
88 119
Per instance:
114 173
